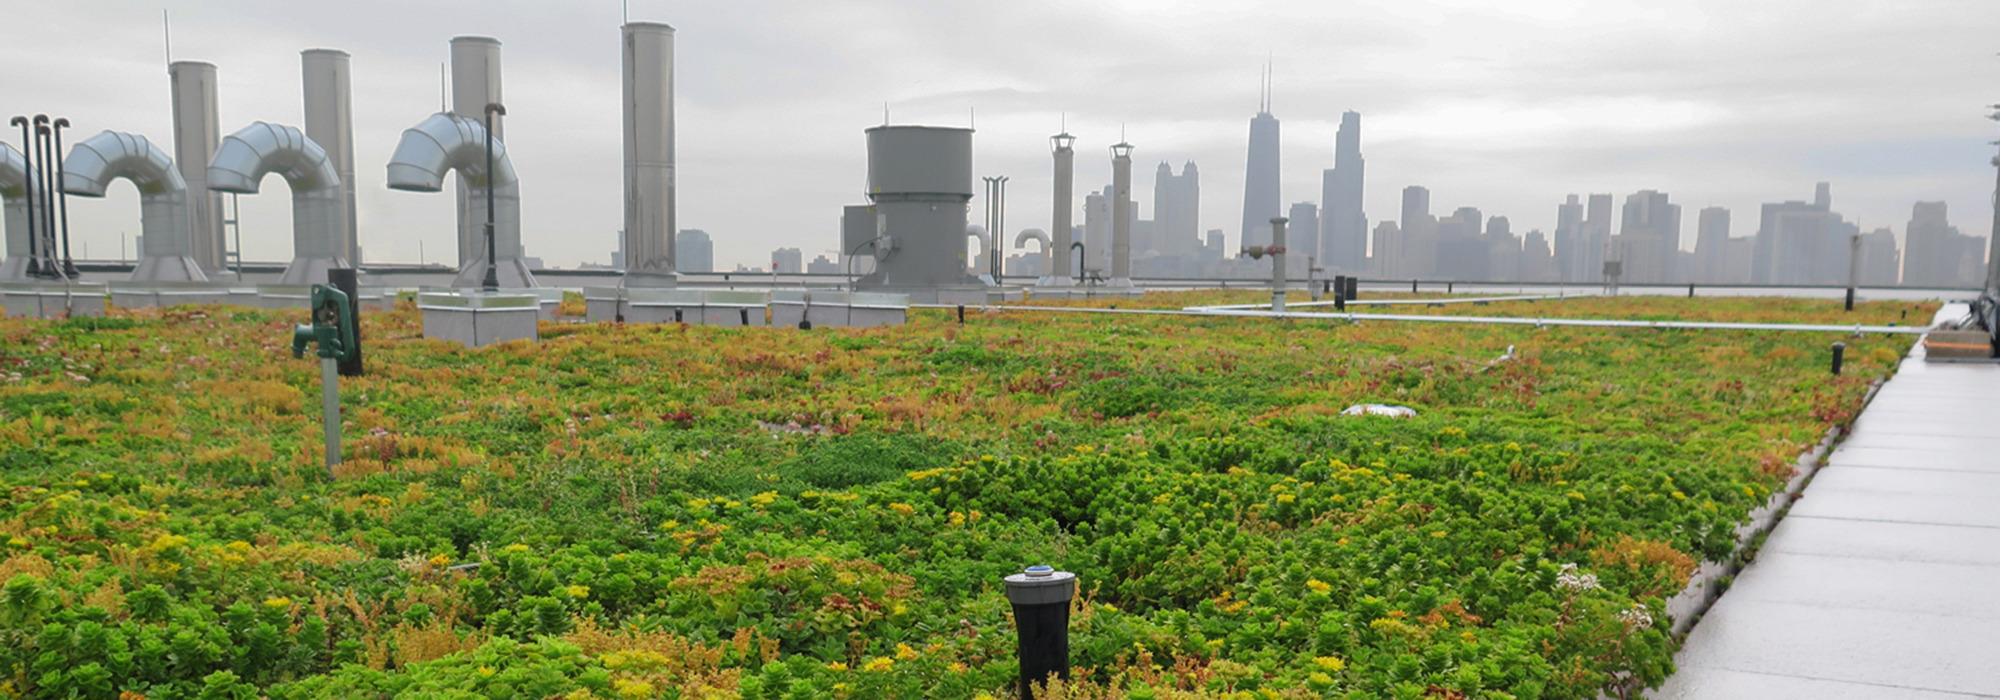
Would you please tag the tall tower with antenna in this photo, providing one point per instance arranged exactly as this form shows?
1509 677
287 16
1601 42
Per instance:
1261 198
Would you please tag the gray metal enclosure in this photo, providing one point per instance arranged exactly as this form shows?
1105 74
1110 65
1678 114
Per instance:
920 180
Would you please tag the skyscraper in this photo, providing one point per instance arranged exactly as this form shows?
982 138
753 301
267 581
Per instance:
1343 225
1096 232
1711 247
696 251
1419 233
1302 232
1802 243
1649 238
1177 211
788 261
1569 237
1935 253
1388 258
1261 200
1880 263
1596 238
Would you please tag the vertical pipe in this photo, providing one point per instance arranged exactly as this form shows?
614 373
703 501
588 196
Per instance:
492 279
1121 215
475 83
1993 245
329 404
330 123
1059 232
62 201
649 154
33 192
1353 288
1040 596
1277 251
1839 349
48 174
1853 267
197 133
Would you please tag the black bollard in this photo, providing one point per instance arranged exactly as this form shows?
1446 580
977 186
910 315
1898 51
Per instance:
677 316
961 314
1690 291
1413 286
1449 287
744 314
1353 288
342 278
1839 349
1041 596
1850 298
1340 293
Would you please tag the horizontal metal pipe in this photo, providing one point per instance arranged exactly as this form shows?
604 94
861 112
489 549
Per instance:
1474 320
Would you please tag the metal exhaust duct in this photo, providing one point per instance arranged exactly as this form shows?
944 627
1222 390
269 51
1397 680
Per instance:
163 199
1065 206
649 155
1121 215
330 123
197 133
261 148
449 143
14 178
475 83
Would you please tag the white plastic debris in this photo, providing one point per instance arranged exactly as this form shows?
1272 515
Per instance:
1377 409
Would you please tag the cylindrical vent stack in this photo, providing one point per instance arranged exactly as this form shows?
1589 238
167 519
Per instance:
1061 265
649 154
1121 215
1277 253
475 83
920 180
330 123
197 133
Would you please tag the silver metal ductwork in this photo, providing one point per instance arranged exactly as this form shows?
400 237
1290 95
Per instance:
447 143
475 83
163 199
14 190
262 148
330 123
649 154
1034 234
196 134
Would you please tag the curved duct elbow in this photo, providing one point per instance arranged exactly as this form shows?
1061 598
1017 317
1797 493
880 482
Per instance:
262 148
444 143
94 162
1031 234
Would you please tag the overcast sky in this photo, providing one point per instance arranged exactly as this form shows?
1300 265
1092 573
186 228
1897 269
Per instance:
1505 105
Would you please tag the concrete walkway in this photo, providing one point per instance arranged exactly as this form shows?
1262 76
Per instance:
1884 581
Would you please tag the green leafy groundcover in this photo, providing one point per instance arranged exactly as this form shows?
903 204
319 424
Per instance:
695 512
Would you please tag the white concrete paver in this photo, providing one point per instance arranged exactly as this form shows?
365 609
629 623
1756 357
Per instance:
1883 582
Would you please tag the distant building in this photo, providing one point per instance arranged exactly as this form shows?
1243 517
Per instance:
1880 263
1649 237
1935 254
1420 235
787 261
1388 258
1461 250
822 265
1177 211
1569 240
1538 261
1343 225
1302 231
1503 251
693 251
1097 232
1261 199
1711 247
1802 243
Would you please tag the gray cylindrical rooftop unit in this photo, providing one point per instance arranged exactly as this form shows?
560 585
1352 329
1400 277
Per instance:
649 154
197 133
1060 264
920 180
88 171
1121 215
261 148
475 83
14 176
446 143
330 123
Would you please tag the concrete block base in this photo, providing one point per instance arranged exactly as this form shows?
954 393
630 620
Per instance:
833 309
478 320
52 301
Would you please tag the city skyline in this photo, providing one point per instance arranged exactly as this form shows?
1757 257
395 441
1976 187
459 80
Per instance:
1744 109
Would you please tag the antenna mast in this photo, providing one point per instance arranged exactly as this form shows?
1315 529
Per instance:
167 28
